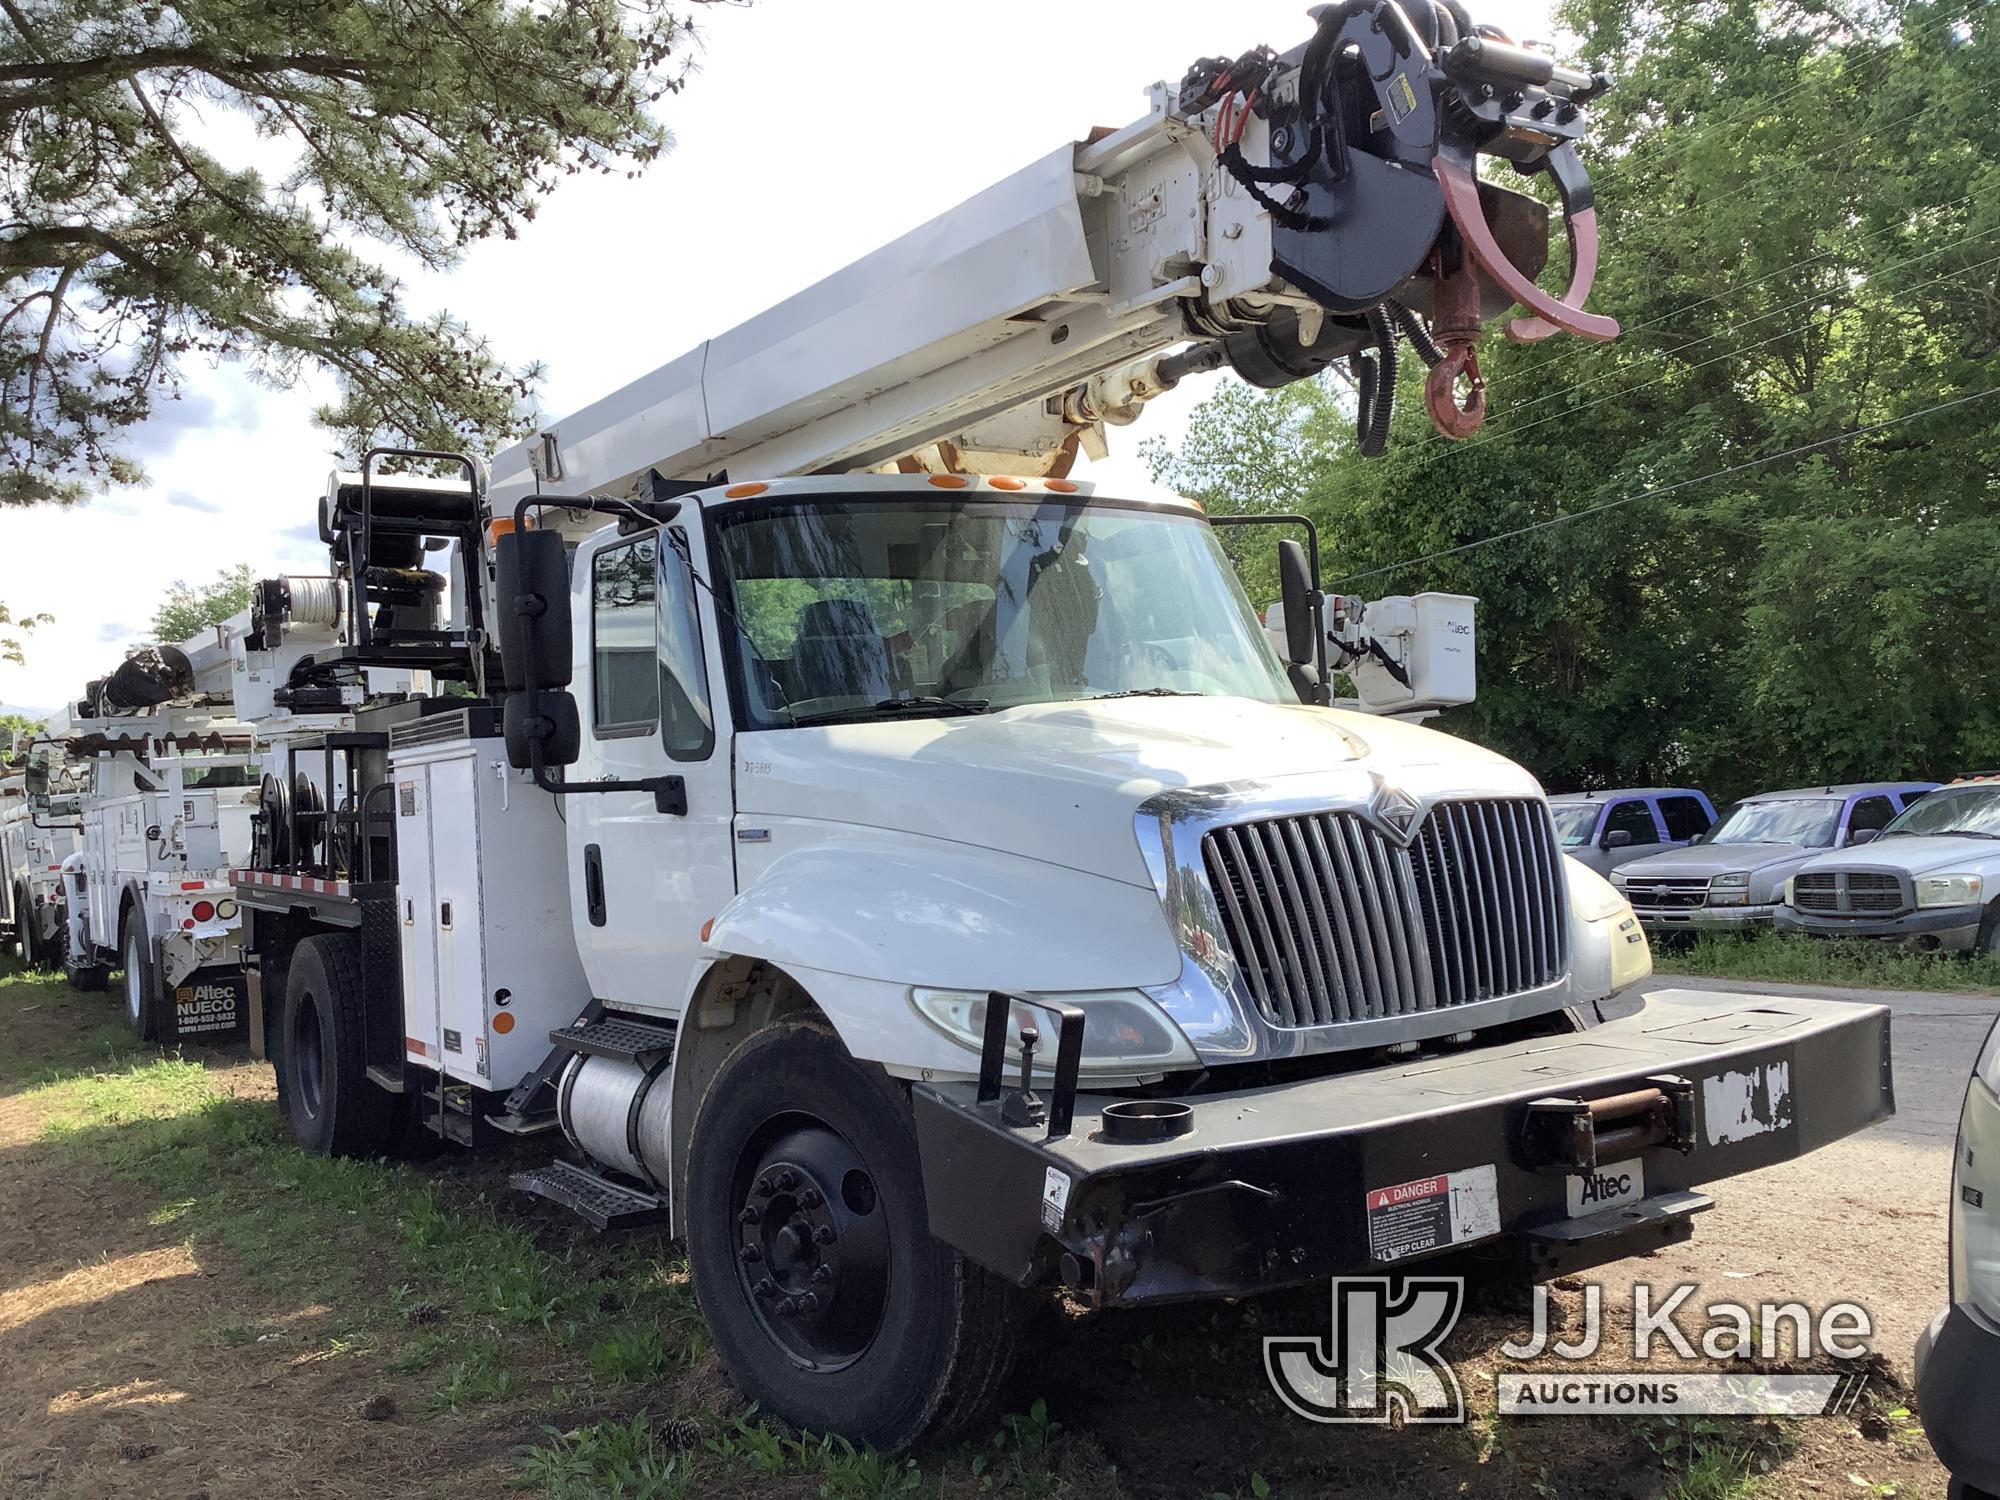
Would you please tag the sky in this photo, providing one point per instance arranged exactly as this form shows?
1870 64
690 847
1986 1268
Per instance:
811 134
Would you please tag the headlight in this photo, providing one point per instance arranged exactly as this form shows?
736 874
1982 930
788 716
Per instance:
1618 879
1593 897
1790 882
1948 890
1124 1032
1975 1189
1734 882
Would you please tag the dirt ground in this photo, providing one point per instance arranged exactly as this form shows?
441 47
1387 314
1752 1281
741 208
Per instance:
139 1357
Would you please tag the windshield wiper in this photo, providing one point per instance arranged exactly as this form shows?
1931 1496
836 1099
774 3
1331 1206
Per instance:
921 703
1144 693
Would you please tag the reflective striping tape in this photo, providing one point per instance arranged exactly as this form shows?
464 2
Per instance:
412 1044
270 880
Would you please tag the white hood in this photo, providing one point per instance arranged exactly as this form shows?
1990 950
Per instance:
1061 782
1913 854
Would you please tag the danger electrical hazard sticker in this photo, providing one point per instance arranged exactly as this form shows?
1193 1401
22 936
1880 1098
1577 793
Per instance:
1433 1213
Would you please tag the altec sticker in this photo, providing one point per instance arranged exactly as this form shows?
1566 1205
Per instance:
1433 1213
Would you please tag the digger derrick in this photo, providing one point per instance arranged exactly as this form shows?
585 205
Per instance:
1272 214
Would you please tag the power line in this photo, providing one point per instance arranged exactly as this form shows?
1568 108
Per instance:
1668 489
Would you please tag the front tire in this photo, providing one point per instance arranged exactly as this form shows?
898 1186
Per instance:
830 1301
26 942
142 1004
324 1091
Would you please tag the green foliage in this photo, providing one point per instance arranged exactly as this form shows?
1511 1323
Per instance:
191 180
1800 207
190 606
1809 960
13 626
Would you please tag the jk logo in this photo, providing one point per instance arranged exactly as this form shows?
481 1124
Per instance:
1379 1362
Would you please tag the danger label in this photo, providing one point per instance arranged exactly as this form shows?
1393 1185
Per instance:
1433 1213
1055 1199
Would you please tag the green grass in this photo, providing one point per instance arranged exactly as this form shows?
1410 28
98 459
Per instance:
1790 958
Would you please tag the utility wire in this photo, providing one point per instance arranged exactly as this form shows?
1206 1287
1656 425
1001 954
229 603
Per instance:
1680 484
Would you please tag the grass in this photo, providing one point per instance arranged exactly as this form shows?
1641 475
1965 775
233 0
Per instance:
1795 959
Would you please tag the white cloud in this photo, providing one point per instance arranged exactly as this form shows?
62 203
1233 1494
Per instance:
812 134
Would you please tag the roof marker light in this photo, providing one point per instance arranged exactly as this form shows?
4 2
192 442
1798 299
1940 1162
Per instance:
744 491
1005 482
1061 486
950 481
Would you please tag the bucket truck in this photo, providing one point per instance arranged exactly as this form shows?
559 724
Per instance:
168 763
911 875
37 834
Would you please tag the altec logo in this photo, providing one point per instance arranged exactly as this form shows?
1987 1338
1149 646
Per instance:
1606 1187
1380 1361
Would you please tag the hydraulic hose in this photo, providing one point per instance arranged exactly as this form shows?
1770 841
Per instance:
1375 382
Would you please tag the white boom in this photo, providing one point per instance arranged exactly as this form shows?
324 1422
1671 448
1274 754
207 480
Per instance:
1004 334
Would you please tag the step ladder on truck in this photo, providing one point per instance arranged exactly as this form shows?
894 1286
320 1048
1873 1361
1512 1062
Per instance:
912 876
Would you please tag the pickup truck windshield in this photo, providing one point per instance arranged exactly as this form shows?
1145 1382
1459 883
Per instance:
1972 810
1574 820
1810 821
860 609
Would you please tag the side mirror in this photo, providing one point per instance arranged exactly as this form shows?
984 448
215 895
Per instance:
549 716
36 778
1617 838
1301 629
531 601
1863 836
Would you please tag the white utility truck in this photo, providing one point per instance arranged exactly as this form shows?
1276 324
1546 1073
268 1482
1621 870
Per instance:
36 835
912 876
163 762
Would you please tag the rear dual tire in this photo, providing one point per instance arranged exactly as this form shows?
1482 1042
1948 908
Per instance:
327 1099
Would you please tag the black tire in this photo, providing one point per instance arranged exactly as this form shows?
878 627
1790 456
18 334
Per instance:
142 985
91 979
324 1091
912 1340
1987 944
26 941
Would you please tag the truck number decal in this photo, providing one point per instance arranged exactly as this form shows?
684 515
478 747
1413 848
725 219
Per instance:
1452 1208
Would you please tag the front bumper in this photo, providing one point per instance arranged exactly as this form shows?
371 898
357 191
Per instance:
1958 1372
1952 927
1295 1182
1704 918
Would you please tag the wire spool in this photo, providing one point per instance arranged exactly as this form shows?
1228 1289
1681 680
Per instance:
313 601
615 1113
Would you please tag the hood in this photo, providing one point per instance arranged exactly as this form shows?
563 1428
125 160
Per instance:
1709 860
1913 854
1061 782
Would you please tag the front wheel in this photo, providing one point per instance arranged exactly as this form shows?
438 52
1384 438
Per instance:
830 1301
26 941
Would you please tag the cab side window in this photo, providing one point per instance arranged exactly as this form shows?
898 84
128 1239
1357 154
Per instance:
625 687
1870 812
1634 817
1685 818
687 723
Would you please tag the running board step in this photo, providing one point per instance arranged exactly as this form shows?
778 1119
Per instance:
619 1040
522 1125
598 1201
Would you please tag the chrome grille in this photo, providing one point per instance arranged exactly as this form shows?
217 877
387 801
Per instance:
1666 893
1330 920
1851 893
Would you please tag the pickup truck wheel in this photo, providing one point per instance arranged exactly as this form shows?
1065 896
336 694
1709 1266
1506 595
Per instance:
830 1301
324 1091
1987 944
142 1010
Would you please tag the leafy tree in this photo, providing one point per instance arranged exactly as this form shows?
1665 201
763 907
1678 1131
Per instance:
11 646
141 224
1801 218
190 606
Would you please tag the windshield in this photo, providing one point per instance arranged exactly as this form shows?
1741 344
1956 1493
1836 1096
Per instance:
863 609
1810 821
1574 820
1973 810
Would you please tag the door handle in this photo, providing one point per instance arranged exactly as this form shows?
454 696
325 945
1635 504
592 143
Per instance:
593 883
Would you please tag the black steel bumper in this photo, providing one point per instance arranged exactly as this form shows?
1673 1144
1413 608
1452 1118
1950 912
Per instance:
1357 1171
1958 1376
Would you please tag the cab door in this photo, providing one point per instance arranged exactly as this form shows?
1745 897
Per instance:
643 881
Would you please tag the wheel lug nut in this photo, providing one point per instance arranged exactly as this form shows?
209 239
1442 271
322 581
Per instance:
750 1215
764 1188
787 1180
766 1288
809 1303
823 1235
822 1274
789 1307
810 1198
750 1255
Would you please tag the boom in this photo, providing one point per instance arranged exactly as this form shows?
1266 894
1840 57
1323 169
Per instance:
1271 215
